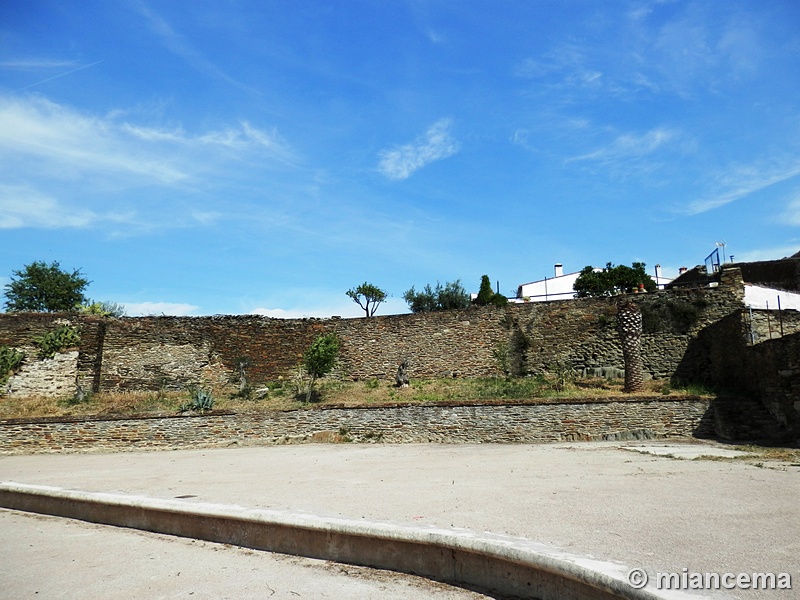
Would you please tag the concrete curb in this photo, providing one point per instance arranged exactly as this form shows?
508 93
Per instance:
483 562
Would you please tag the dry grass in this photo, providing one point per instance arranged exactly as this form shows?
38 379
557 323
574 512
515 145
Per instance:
282 395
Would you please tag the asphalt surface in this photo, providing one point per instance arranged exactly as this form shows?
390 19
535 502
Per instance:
653 506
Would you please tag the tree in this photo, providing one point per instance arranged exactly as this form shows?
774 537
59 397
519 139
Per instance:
45 288
368 297
451 296
629 326
485 292
487 296
320 358
612 280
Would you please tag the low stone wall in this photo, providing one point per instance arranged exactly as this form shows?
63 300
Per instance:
606 419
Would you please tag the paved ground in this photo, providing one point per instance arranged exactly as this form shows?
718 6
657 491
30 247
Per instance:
612 501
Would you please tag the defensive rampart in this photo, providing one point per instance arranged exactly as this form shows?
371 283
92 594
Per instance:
151 353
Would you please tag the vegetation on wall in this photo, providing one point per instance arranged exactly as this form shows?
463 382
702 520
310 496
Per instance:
671 314
511 356
55 341
102 309
10 360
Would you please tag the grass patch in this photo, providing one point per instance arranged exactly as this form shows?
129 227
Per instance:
280 395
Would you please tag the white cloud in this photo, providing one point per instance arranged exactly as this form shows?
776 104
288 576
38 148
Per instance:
31 64
436 144
759 254
629 146
176 309
21 206
346 310
66 143
792 214
741 181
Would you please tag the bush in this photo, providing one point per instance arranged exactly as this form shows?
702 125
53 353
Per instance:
52 342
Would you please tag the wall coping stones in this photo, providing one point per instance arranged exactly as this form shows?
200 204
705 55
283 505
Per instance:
638 399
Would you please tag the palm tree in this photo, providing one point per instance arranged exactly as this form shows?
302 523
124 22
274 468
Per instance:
629 326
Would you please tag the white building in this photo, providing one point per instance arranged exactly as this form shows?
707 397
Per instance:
757 296
561 286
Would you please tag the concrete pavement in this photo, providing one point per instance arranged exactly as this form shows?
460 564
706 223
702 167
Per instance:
597 500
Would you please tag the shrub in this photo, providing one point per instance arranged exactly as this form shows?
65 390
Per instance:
52 342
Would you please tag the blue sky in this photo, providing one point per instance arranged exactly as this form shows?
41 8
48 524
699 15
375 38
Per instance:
229 157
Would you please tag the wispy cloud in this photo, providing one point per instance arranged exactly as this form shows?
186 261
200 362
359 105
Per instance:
436 144
182 47
35 64
629 146
791 215
742 181
21 206
758 254
52 137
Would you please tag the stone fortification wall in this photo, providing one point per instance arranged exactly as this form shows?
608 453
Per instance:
773 375
607 419
172 352
153 353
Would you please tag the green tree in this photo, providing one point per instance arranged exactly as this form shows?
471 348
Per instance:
320 359
487 296
451 296
612 280
368 297
45 288
485 292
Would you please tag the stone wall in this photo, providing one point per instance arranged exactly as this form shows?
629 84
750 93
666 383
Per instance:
773 369
607 419
153 353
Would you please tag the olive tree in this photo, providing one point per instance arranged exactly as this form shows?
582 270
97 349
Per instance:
368 297
450 296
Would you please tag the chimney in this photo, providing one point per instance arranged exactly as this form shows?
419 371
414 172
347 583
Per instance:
559 268
682 270
658 273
